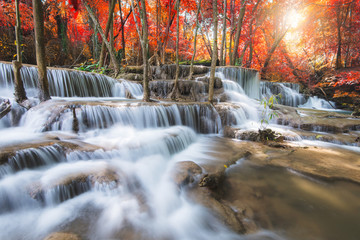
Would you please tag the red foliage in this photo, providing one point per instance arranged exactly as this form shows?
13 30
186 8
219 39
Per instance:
348 78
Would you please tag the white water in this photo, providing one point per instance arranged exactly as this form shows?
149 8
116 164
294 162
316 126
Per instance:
318 103
247 79
65 83
138 143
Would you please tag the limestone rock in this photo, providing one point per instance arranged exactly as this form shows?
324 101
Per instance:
62 236
184 173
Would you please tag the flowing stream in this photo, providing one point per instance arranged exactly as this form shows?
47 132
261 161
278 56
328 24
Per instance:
112 180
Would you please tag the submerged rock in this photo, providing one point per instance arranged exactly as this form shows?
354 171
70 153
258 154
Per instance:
62 236
72 185
316 120
185 173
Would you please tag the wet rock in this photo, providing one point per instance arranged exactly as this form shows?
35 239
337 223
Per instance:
226 113
131 76
128 94
134 69
229 132
169 71
72 185
62 236
318 162
356 112
212 181
5 107
188 90
217 84
185 173
316 120
222 211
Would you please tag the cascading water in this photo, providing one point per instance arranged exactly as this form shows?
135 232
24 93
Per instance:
118 183
244 110
248 79
113 178
318 103
290 95
67 83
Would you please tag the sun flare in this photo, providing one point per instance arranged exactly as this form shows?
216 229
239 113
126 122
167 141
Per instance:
294 18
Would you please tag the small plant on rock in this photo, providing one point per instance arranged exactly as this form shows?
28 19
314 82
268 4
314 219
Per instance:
267 115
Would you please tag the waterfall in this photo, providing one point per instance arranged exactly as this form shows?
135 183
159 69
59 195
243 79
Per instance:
70 83
290 95
248 79
114 178
203 118
244 109
317 103
32 158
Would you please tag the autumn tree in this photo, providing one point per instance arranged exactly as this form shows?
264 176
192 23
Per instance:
109 47
191 72
176 88
108 28
144 39
44 93
239 26
214 52
20 94
223 37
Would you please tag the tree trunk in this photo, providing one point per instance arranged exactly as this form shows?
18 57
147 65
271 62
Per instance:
44 93
17 32
107 44
145 52
222 55
242 55
214 53
338 63
232 3
164 43
122 32
20 94
107 30
272 50
174 92
144 40
238 33
195 37
290 63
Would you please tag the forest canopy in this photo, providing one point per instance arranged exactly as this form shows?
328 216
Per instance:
288 40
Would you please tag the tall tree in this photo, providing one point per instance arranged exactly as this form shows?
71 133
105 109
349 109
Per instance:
20 94
107 30
214 53
144 40
44 93
238 33
122 31
342 12
191 72
223 40
104 38
176 89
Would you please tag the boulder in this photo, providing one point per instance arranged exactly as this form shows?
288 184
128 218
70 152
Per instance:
221 210
185 173
73 185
